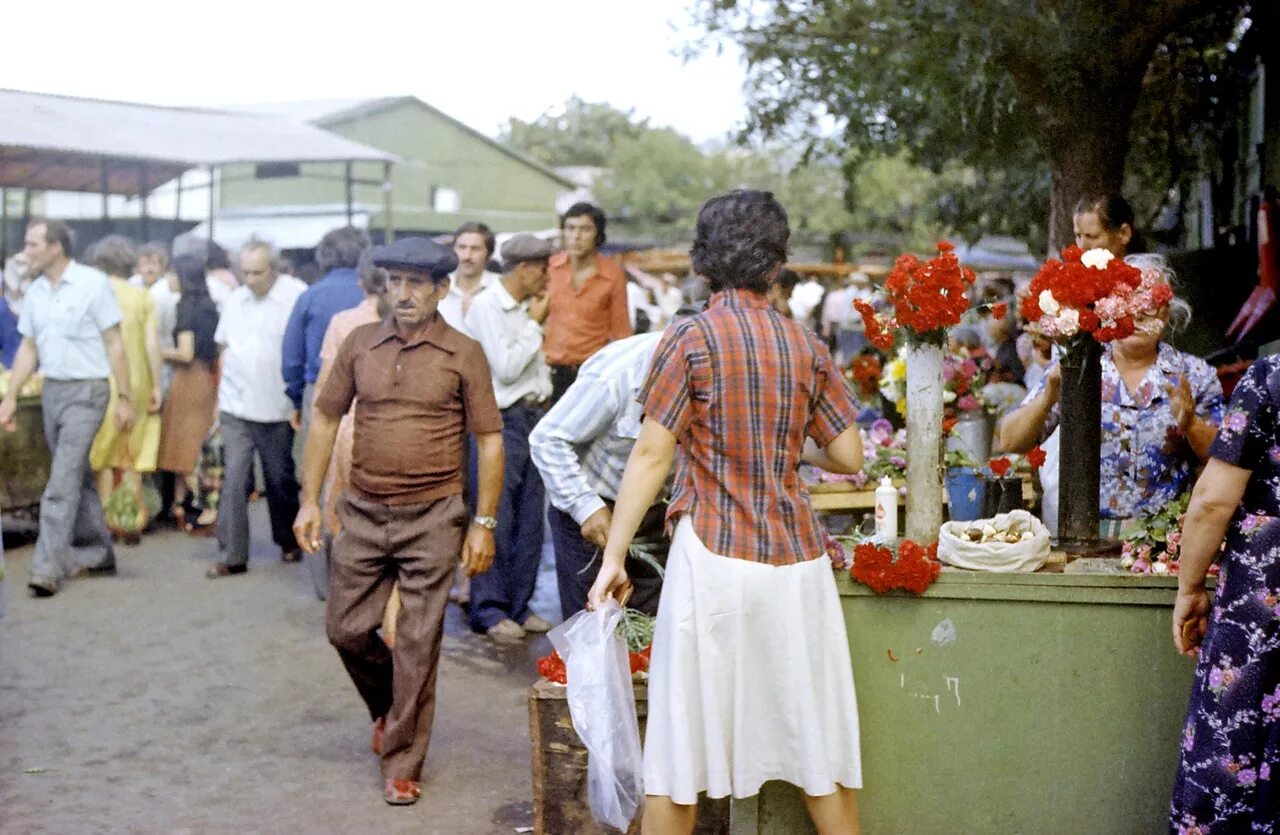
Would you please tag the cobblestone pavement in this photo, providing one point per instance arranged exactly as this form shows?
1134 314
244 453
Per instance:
159 701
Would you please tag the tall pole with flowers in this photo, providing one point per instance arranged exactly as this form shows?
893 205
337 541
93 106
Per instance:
928 297
1082 301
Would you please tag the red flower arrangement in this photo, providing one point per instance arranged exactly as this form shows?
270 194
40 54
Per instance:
1035 457
551 667
1088 293
864 372
914 570
879 332
928 297
1000 466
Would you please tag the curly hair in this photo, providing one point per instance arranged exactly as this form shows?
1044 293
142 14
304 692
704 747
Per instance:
341 248
741 239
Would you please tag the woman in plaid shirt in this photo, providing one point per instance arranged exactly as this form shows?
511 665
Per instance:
750 678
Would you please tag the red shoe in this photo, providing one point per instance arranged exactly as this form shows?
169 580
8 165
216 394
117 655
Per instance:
401 792
379 727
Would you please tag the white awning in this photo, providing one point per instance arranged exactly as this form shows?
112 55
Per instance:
282 228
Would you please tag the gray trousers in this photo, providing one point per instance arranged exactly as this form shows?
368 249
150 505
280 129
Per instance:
274 444
70 508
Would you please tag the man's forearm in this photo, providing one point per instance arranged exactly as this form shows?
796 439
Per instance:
489 473
316 454
24 365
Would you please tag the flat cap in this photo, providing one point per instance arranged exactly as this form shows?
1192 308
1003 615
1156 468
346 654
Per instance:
526 247
418 254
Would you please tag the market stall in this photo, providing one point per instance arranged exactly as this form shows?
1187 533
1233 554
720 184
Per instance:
24 457
1046 702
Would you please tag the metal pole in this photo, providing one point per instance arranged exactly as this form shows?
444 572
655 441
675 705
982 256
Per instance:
211 207
105 177
350 200
389 231
26 209
142 196
177 204
4 226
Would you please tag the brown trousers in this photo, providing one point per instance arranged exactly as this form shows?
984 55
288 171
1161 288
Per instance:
419 545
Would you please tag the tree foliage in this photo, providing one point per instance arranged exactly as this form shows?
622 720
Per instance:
1025 94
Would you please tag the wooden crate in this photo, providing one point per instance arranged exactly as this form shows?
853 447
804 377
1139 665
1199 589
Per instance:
560 771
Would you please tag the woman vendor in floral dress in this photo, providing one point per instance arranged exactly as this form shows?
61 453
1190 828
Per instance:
750 677
1231 742
1160 410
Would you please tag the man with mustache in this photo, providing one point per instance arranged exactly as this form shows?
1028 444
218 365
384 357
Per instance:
420 386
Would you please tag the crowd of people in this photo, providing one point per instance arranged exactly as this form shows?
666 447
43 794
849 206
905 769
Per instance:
461 401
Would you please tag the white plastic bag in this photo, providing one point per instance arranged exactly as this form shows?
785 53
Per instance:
603 708
1025 555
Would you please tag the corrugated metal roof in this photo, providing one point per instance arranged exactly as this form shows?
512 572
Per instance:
58 142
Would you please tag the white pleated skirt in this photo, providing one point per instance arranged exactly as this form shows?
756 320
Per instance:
749 679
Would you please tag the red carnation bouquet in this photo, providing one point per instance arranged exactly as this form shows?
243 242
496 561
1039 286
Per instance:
864 372
928 297
1092 293
914 569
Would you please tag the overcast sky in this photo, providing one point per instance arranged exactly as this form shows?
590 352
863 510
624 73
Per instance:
480 61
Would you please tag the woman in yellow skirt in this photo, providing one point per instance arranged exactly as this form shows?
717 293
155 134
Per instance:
121 459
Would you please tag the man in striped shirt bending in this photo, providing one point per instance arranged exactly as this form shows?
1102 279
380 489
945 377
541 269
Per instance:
581 448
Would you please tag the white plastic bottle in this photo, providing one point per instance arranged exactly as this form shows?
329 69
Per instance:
887 512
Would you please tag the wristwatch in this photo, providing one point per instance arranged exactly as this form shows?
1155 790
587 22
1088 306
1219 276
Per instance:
486 522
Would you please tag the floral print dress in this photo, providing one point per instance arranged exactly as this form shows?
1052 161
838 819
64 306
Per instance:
1231 742
1146 461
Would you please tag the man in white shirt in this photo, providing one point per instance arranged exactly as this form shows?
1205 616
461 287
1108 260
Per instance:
473 243
841 322
253 409
804 299
507 321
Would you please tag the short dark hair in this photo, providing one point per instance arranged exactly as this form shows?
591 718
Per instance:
340 248
55 232
786 281
114 255
193 278
476 228
592 211
741 238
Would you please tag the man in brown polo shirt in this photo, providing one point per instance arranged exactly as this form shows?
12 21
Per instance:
421 387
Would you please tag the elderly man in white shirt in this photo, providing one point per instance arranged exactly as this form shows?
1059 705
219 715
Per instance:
253 410
507 321
473 243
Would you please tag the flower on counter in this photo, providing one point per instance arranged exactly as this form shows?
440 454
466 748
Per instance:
1152 546
864 371
999 310
1036 457
999 466
914 569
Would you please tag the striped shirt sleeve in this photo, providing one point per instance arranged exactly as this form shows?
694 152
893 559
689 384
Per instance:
588 409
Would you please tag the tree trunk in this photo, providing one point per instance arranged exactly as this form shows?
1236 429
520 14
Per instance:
1086 159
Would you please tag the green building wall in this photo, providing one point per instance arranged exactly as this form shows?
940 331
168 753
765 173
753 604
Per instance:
494 186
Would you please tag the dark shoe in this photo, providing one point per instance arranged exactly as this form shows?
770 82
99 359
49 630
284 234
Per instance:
43 586
379 728
106 568
221 569
292 556
401 792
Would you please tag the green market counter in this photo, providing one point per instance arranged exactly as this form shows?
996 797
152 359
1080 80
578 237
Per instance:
1009 703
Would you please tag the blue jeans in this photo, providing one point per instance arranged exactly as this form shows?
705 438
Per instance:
504 590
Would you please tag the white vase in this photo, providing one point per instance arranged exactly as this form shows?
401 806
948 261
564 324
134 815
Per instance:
924 443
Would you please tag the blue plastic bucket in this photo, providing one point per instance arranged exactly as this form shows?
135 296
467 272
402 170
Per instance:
965 489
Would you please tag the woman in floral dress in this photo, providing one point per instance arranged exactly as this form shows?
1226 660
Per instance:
1231 742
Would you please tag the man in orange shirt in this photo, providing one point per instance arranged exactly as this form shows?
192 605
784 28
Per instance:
588 294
